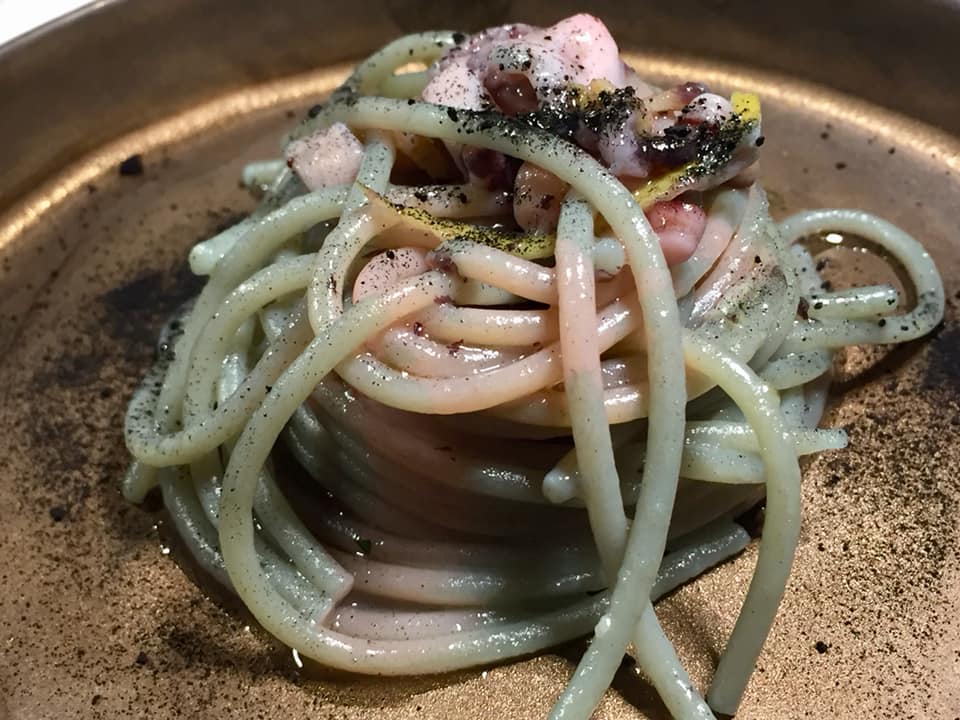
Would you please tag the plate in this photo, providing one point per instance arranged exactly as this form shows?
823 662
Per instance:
99 621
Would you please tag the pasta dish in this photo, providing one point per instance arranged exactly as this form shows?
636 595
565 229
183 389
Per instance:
510 343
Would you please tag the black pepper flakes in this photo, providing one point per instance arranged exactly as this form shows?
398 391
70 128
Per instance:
821 647
58 513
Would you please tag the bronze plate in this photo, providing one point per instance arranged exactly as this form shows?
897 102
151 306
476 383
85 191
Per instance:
97 620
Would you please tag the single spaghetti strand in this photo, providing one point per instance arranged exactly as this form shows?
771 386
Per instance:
781 526
355 229
579 344
600 485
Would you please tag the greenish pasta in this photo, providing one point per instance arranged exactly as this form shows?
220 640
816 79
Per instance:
508 347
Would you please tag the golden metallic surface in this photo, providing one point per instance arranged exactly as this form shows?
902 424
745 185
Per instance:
206 118
98 621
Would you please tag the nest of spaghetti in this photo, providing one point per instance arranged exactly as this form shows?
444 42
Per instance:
509 344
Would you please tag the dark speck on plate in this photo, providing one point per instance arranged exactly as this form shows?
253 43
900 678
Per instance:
132 166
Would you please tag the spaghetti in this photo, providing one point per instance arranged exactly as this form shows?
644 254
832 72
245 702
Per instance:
515 334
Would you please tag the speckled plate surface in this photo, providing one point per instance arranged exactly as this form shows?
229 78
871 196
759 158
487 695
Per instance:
97 620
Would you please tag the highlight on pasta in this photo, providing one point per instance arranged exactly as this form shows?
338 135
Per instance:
509 343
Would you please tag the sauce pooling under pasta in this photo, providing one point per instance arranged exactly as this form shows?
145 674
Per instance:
525 328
